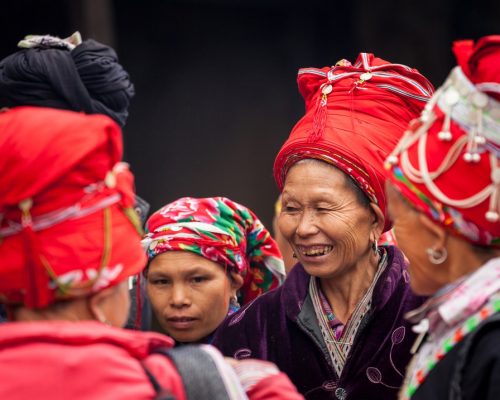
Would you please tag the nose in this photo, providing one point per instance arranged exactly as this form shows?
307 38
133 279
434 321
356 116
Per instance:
179 296
307 224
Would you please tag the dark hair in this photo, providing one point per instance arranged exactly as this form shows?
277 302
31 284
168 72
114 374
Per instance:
89 78
360 195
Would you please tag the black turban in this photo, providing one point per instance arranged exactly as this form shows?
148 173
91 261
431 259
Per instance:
87 78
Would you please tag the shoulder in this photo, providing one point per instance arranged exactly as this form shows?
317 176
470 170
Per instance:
254 312
477 362
83 334
265 318
165 372
283 301
484 347
393 286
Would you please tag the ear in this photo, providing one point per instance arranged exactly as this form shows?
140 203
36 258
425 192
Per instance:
378 221
96 304
438 232
236 281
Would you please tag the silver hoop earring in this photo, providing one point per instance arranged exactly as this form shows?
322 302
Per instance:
437 256
234 301
375 246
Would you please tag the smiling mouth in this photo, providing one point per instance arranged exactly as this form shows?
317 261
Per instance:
314 251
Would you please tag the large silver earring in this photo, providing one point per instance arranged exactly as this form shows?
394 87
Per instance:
375 246
437 256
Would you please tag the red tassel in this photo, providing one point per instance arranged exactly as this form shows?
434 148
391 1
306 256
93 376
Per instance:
320 114
37 279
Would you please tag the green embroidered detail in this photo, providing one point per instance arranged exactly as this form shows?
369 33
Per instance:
470 323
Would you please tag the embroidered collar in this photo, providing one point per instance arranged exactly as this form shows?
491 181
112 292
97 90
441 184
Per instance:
452 313
339 339
460 299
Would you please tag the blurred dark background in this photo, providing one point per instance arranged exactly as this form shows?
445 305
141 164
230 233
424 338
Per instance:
216 79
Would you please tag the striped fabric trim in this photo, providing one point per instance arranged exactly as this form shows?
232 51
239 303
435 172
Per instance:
339 349
375 71
313 71
425 92
56 217
403 92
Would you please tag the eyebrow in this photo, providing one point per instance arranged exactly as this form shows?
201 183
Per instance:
190 270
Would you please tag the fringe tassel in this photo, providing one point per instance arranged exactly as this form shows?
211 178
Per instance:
320 115
37 280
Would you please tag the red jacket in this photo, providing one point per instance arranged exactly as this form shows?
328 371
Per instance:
89 360
84 360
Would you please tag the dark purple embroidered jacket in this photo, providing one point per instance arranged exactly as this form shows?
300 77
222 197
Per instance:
281 326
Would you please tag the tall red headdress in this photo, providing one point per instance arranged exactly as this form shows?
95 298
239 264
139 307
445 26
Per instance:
355 114
447 164
65 207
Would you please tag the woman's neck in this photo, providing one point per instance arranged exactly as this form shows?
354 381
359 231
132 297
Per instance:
464 259
346 291
74 310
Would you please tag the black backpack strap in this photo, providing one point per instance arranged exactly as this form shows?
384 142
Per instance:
463 356
161 393
199 373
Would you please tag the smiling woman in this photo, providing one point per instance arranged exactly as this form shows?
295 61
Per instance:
337 326
206 256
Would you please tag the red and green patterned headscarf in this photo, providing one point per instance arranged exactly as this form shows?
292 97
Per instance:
221 231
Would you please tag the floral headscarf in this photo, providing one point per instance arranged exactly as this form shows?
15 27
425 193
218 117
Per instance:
221 231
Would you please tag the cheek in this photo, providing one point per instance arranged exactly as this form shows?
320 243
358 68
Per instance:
287 225
214 303
157 297
352 232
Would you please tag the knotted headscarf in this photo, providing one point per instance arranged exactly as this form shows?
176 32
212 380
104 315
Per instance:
221 231
448 162
67 226
355 114
67 74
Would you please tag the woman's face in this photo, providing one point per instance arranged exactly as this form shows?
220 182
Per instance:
324 222
189 294
413 239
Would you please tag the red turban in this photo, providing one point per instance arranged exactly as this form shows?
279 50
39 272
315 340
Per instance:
447 165
65 206
355 114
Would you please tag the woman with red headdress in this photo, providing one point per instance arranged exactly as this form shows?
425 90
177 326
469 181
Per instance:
69 241
206 257
336 325
444 198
